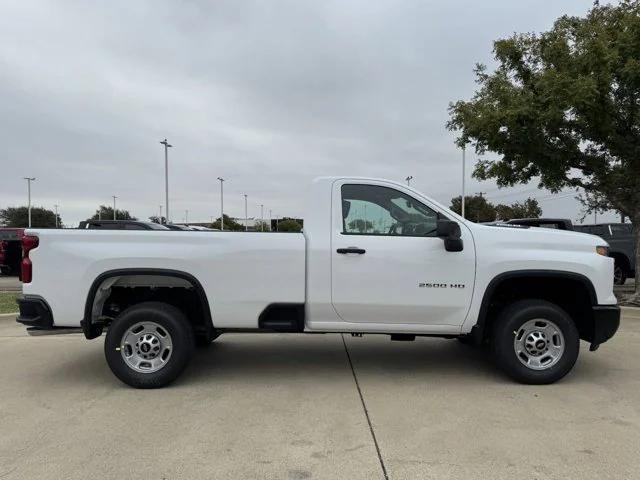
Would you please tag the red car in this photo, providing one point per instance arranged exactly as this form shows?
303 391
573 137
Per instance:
10 250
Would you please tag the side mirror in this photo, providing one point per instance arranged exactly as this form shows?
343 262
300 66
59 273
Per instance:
450 232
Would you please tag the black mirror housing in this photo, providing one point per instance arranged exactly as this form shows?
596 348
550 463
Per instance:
450 232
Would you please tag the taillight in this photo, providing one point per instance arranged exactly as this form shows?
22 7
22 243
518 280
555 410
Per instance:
29 242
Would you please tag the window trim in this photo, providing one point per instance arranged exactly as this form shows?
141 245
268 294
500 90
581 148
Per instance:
439 215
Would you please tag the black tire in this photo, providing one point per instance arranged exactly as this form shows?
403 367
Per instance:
172 322
511 322
619 273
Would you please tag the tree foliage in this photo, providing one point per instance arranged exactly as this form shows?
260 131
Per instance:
106 213
18 217
229 224
527 209
289 225
476 208
563 107
157 219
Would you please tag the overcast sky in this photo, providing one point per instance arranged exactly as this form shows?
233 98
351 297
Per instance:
265 94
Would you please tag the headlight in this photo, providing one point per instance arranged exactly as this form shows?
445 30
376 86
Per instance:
602 250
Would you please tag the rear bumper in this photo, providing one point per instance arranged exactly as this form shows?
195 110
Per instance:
606 320
35 313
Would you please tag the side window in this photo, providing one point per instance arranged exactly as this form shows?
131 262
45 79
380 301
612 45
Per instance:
376 210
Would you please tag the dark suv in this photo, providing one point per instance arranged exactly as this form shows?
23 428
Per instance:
620 238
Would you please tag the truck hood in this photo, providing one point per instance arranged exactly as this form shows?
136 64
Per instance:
538 235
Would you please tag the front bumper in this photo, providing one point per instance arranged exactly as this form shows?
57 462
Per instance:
606 320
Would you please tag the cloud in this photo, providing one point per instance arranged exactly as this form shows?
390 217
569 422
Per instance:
265 94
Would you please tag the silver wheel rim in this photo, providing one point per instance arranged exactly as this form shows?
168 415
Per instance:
539 344
146 347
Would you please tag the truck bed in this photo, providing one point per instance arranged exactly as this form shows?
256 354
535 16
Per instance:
242 272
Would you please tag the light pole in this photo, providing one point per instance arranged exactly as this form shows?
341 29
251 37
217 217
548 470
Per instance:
464 165
114 206
246 216
56 207
408 180
270 220
186 217
29 180
160 217
261 217
166 177
221 203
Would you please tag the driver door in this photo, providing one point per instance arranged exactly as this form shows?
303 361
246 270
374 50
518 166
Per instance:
388 266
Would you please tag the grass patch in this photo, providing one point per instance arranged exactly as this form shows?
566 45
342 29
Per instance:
8 302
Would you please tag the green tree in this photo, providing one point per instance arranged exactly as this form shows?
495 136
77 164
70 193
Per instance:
18 217
527 209
289 225
229 224
563 107
476 208
361 225
106 213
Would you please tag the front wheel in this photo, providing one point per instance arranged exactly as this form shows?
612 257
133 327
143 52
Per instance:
535 342
149 345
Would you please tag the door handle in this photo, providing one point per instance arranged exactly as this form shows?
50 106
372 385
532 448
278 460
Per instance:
357 250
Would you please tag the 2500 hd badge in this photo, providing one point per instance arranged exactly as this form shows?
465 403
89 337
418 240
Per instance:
440 285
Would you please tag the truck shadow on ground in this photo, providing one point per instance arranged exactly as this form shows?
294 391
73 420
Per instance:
231 357
276 359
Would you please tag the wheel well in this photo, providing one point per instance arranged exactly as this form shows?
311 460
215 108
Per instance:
113 292
622 259
571 292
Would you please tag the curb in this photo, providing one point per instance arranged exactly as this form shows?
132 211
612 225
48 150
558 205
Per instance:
3 315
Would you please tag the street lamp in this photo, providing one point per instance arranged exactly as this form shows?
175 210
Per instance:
464 165
408 180
114 206
56 207
246 216
261 217
166 177
29 180
270 220
221 204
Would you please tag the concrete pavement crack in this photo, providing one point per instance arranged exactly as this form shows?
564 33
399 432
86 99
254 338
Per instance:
366 412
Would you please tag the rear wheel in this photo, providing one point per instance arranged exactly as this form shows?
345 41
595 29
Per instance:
149 345
535 342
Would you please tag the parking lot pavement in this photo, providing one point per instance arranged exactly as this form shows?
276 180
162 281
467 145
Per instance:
278 406
9 284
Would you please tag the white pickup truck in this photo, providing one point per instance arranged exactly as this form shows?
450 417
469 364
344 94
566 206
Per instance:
375 257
